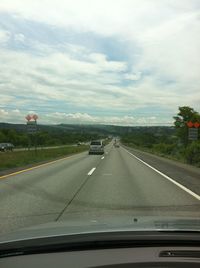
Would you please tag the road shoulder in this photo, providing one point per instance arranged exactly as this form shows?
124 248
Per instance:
187 175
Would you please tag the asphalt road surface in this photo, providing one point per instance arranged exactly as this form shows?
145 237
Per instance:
83 186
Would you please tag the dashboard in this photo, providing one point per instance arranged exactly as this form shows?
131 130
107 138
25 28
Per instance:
117 257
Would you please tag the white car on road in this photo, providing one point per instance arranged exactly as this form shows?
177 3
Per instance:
96 147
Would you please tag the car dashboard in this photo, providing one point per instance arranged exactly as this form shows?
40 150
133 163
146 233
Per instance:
104 250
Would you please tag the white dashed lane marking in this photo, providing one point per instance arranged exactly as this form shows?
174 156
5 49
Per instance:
91 171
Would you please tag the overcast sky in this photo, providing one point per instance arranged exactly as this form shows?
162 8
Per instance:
125 62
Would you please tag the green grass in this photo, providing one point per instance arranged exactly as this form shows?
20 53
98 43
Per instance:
177 155
23 158
179 158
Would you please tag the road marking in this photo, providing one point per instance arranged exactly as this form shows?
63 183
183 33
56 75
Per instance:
107 174
166 177
102 157
38 166
91 171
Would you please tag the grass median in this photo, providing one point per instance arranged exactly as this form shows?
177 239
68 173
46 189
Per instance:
9 160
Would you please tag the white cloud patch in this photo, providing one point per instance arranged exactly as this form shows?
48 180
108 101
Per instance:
3 113
133 76
19 37
4 36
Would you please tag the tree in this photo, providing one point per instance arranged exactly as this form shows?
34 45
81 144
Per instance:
192 153
43 138
184 115
2 137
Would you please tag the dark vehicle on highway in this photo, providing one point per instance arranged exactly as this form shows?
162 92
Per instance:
116 145
2 147
6 147
9 146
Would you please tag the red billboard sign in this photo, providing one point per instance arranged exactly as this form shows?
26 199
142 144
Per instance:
190 124
31 117
196 124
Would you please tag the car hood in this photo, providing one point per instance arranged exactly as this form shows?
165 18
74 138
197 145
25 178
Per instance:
114 224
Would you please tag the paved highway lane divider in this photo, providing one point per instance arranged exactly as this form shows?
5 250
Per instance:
196 196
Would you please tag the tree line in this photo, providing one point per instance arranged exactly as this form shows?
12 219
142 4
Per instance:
44 138
171 142
167 141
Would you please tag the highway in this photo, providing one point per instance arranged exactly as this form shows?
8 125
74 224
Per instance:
83 186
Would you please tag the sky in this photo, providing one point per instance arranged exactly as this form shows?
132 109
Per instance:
121 62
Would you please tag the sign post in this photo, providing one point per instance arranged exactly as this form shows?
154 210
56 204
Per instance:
32 128
193 130
193 134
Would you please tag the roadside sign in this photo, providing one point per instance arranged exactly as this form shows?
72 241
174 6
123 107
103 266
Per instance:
28 117
196 124
31 127
193 134
189 124
35 117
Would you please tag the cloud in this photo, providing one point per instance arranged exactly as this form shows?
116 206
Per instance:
171 49
3 113
12 116
80 118
101 16
133 76
64 69
19 37
4 36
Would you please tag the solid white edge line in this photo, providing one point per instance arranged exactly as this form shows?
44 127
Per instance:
167 177
91 171
102 157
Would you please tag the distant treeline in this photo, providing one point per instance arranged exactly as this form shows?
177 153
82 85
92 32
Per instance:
45 138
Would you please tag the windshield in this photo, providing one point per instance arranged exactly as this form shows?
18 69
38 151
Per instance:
95 143
99 114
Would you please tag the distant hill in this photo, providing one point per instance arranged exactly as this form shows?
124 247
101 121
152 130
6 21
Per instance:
93 129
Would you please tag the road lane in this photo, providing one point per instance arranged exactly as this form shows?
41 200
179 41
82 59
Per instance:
85 186
40 195
122 184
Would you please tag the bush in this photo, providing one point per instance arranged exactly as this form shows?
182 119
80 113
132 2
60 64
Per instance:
166 149
192 153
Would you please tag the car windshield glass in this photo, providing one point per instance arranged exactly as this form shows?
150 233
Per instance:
99 115
95 143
